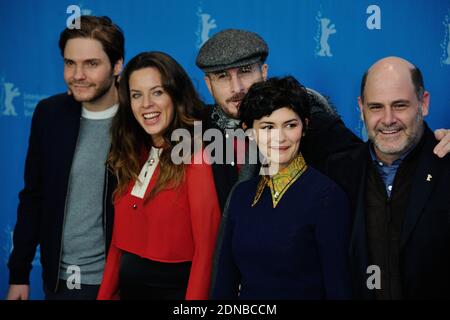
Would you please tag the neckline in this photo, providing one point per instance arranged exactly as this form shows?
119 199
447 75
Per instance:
100 115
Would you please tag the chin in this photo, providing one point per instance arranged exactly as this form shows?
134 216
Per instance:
391 149
83 98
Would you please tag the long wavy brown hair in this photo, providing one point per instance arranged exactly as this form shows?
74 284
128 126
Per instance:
129 139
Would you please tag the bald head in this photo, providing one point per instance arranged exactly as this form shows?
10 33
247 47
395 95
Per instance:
393 103
396 67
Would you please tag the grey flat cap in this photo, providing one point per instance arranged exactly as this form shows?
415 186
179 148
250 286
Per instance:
231 48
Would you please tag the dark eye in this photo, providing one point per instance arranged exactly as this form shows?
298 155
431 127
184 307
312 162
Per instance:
267 127
374 107
158 93
221 75
68 63
135 95
400 105
246 69
291 125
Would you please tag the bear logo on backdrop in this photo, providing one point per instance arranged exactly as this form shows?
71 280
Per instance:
206 24
325 30
8 92
445 45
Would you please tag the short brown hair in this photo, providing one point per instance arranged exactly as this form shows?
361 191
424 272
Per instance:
101 29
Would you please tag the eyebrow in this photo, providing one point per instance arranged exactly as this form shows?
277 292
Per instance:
374 104
393 102
400 101
87 60
152 88
217 72
292 120
270 122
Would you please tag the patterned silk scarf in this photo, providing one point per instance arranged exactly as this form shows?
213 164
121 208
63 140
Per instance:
222 120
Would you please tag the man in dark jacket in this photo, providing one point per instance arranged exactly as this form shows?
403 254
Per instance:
399 190
65 206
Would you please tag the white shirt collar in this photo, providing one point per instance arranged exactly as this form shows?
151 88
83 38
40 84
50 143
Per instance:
147 171
100 115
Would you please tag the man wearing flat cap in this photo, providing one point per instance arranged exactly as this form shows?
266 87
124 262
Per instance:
233 60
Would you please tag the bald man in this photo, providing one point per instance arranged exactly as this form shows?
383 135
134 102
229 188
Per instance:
399 190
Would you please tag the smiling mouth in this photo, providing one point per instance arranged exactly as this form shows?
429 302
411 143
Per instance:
79 85
390 132
280 149
151 117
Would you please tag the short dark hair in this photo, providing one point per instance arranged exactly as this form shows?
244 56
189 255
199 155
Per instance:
101 29
416 78
265 97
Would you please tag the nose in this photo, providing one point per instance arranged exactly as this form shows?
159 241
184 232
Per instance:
147 101
236 84
388 117
278 136
79 73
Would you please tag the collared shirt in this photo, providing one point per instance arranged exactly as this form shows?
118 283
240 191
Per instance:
387 172
281 181
148 169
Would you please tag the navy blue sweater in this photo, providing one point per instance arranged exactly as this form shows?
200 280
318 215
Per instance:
298 250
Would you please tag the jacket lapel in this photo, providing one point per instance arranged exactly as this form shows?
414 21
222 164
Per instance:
425 178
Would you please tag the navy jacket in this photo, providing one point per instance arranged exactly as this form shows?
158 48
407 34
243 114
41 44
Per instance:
40 216
297 250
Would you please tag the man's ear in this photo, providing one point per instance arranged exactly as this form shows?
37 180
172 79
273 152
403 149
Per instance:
118 67
264 69
208 83
425 103
361 107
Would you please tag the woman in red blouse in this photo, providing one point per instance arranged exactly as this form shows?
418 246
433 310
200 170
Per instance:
166 215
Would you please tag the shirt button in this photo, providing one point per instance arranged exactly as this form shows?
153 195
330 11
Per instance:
380 163
135 206
276 194
390 188
227 135
232 163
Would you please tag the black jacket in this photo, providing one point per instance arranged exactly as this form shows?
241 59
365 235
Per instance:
425 235
40 216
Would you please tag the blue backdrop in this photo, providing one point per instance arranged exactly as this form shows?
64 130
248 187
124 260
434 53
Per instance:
326 44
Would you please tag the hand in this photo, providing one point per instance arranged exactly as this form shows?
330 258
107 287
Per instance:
443 147
18 292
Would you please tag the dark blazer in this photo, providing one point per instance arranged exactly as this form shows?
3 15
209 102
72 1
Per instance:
425 236
40 215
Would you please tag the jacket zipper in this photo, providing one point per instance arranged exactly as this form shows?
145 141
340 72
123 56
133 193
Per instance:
65 211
